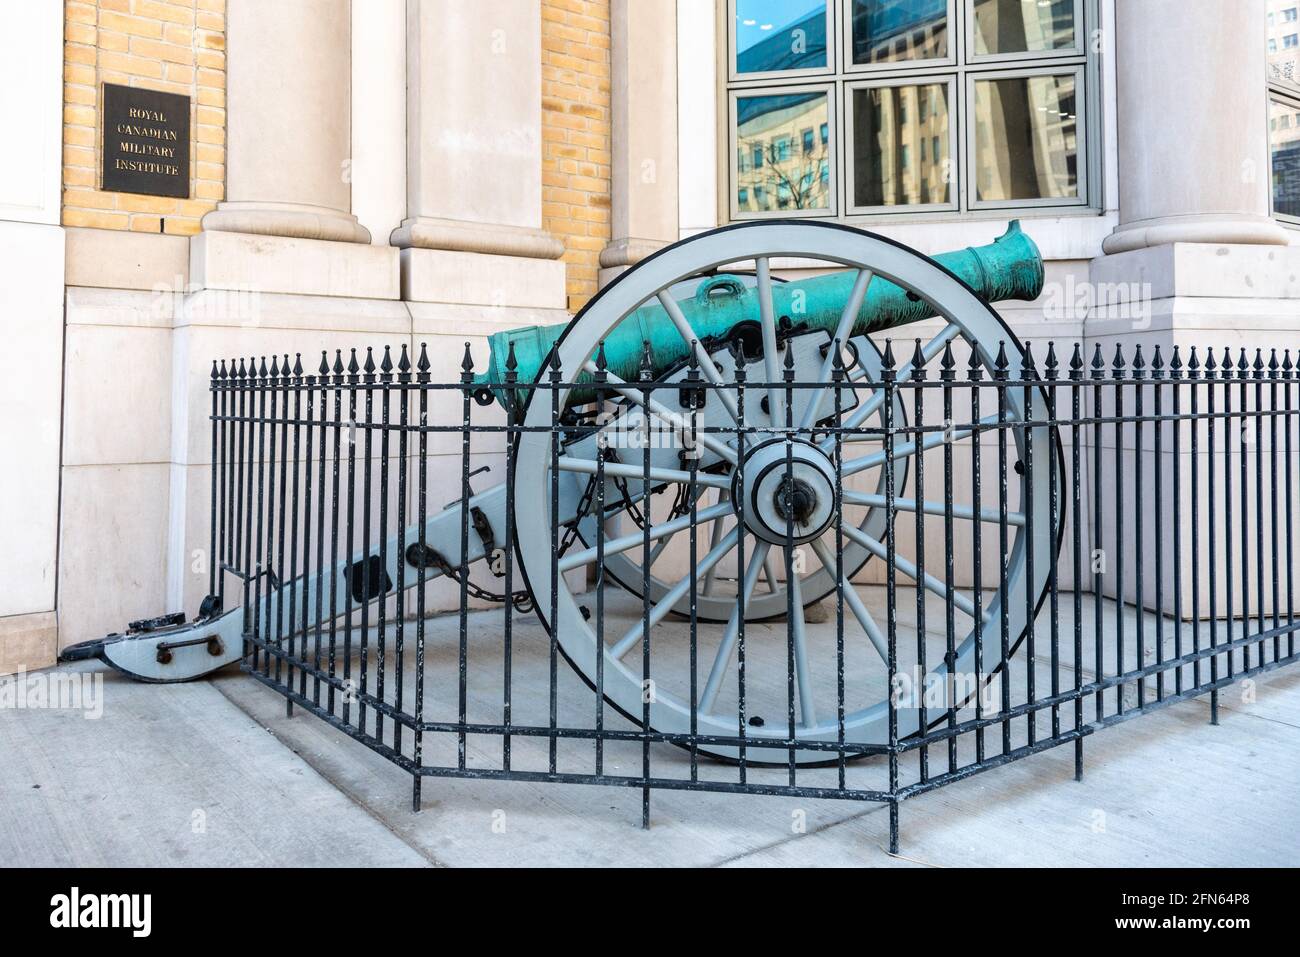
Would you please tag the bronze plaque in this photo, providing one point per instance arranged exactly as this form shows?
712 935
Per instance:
146 142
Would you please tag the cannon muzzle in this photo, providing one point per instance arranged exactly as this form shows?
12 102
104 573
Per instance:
1010 267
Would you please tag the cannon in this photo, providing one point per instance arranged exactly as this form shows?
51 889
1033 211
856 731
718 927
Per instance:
703 330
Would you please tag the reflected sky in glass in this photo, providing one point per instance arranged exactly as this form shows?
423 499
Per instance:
887 31
780 35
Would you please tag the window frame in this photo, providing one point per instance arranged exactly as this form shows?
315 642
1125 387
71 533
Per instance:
849 68
1287 92
972 201
981 59
1084 61
733 205
954 143
766 75
1290 99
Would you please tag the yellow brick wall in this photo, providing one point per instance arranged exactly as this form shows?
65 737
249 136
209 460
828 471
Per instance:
177 46
576 136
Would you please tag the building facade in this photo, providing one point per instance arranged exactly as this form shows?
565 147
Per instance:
350 173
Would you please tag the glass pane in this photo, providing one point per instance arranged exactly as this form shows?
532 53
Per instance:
780 35
783 152
887 31
1284 41
1026 138
1023 26
1284 141
900 145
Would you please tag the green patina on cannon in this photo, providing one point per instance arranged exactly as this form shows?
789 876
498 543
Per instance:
1010 267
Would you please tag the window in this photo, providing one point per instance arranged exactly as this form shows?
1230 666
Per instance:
1284 108
942 106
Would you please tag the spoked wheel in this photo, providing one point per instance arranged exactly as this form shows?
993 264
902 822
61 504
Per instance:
762 490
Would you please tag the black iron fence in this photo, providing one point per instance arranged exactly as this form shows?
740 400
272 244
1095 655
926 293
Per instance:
833 573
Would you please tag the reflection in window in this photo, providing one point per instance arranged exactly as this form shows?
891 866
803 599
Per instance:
886 31
884 142
1023 26
782 177
1283 44
1284 147
1026 141
780 35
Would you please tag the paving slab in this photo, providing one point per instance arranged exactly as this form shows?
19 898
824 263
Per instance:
169 775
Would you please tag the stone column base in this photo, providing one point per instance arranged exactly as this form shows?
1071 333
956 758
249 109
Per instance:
1206 229
286 219
252 263
426 232
28 642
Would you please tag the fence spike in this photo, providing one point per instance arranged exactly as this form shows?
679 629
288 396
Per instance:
353 366
1259 362
275 366
1176 363
646 369
974 365
1157 363
1117 364
789 362
918 362
223 368
214 370
1286 363
1001 363
1210 365
404 361
423 365
467 361
1193 365
1273 365
1051 363
338 362
386 363
1139 362
1098 363
297 365
324 369
1076 362
946 362
369 367
887 360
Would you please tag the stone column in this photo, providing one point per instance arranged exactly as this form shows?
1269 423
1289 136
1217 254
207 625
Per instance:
474 118
643 60
289 136
1193 135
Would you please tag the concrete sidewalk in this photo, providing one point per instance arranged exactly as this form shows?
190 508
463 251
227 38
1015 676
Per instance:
214 773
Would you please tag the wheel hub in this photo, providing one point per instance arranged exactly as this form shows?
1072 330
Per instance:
788 488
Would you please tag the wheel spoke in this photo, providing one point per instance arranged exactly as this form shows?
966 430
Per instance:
803 674
770 574
722 661
842 331
616 546
854 600
707 368
771 365
665 604
864 411
715 536
930 441
678 423
927 580
965 512
619 470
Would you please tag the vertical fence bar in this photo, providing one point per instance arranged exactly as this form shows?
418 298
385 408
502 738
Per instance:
1076 540
837 378
1157 399
947 371
918 485
513 406
1053 528
975 375
891 616
1139 539
422 366
361 572
1098 539
296 635
403 485
1211 386
1001 386
554 381
1027 374
462 564
741 374
1117 371
381 637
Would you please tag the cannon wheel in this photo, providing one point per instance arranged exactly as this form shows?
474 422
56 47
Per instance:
769 683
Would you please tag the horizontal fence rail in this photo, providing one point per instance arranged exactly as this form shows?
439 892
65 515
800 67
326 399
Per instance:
809 572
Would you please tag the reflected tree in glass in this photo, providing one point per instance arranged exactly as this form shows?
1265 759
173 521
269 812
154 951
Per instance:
783 152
